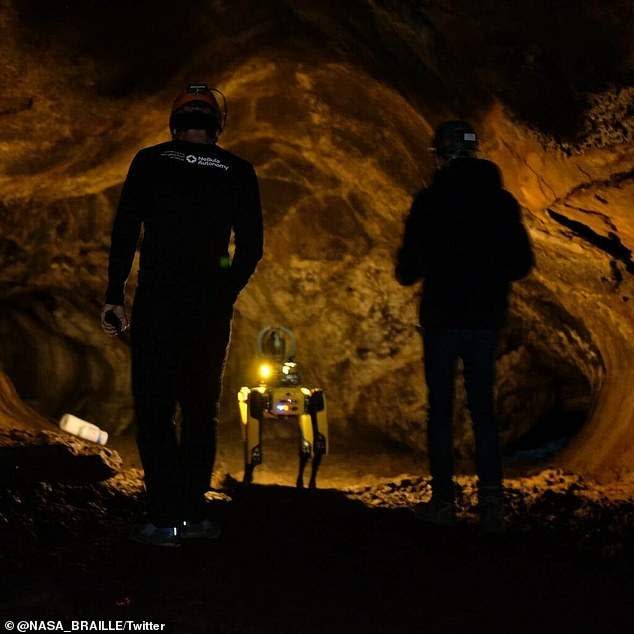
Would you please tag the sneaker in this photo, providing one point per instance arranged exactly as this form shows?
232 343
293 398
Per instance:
158 536
491 511
207 529
437 511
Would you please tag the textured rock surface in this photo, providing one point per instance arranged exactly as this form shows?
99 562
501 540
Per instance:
335 109
49 457
14 413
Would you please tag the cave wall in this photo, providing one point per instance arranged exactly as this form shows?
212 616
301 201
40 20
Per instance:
335 109
582 202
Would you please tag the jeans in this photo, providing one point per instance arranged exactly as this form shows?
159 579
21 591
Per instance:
179 346
477 348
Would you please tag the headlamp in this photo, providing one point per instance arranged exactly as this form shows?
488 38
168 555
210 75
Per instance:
265 371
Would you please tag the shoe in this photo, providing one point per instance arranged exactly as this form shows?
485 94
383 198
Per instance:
437 511
158 536
207 529
491 511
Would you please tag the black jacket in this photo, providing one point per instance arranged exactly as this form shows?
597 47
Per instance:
188 197
465 237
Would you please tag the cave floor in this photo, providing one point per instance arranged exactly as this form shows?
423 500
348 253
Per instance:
362 460
351 559
354 460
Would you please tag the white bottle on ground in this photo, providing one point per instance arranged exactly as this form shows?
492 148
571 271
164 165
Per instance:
83 429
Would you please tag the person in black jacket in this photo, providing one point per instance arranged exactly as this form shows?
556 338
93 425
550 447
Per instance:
188 194
464 237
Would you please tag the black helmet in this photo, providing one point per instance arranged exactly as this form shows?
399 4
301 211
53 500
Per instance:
454 139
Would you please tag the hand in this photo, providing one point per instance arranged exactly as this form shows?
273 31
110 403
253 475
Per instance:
119 311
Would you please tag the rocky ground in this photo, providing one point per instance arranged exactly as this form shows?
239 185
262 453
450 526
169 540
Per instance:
348 560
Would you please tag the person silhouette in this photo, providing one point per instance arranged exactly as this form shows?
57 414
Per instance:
188 195
464 237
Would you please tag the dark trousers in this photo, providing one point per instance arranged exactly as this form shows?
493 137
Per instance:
179 345
442 347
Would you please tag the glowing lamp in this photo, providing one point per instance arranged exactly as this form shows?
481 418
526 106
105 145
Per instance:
265 371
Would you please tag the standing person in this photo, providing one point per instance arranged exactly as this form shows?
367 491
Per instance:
465 238
189 194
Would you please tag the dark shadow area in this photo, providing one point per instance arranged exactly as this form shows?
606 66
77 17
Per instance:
55 365
299 561
551 433
515 52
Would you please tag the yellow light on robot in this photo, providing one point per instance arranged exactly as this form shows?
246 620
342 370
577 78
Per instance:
265 371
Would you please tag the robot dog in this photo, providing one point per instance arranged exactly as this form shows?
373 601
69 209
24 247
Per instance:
280 396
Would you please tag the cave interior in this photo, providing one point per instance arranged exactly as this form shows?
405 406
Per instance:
335 105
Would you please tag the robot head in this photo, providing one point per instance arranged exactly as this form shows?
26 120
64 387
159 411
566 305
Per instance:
277 343
276 348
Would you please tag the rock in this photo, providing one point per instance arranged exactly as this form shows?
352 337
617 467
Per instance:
14 413
53 457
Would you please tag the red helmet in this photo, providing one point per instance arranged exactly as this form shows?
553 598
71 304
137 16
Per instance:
200 93
196 92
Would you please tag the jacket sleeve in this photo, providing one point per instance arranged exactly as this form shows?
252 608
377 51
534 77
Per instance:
125 233
411 261
248 234
517 254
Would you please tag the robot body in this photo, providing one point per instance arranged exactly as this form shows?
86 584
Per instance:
281 397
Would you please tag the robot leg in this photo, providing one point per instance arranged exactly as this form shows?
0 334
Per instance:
252 436
252 448
305 445
319 423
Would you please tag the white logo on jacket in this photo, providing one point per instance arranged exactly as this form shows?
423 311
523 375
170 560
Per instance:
193 159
